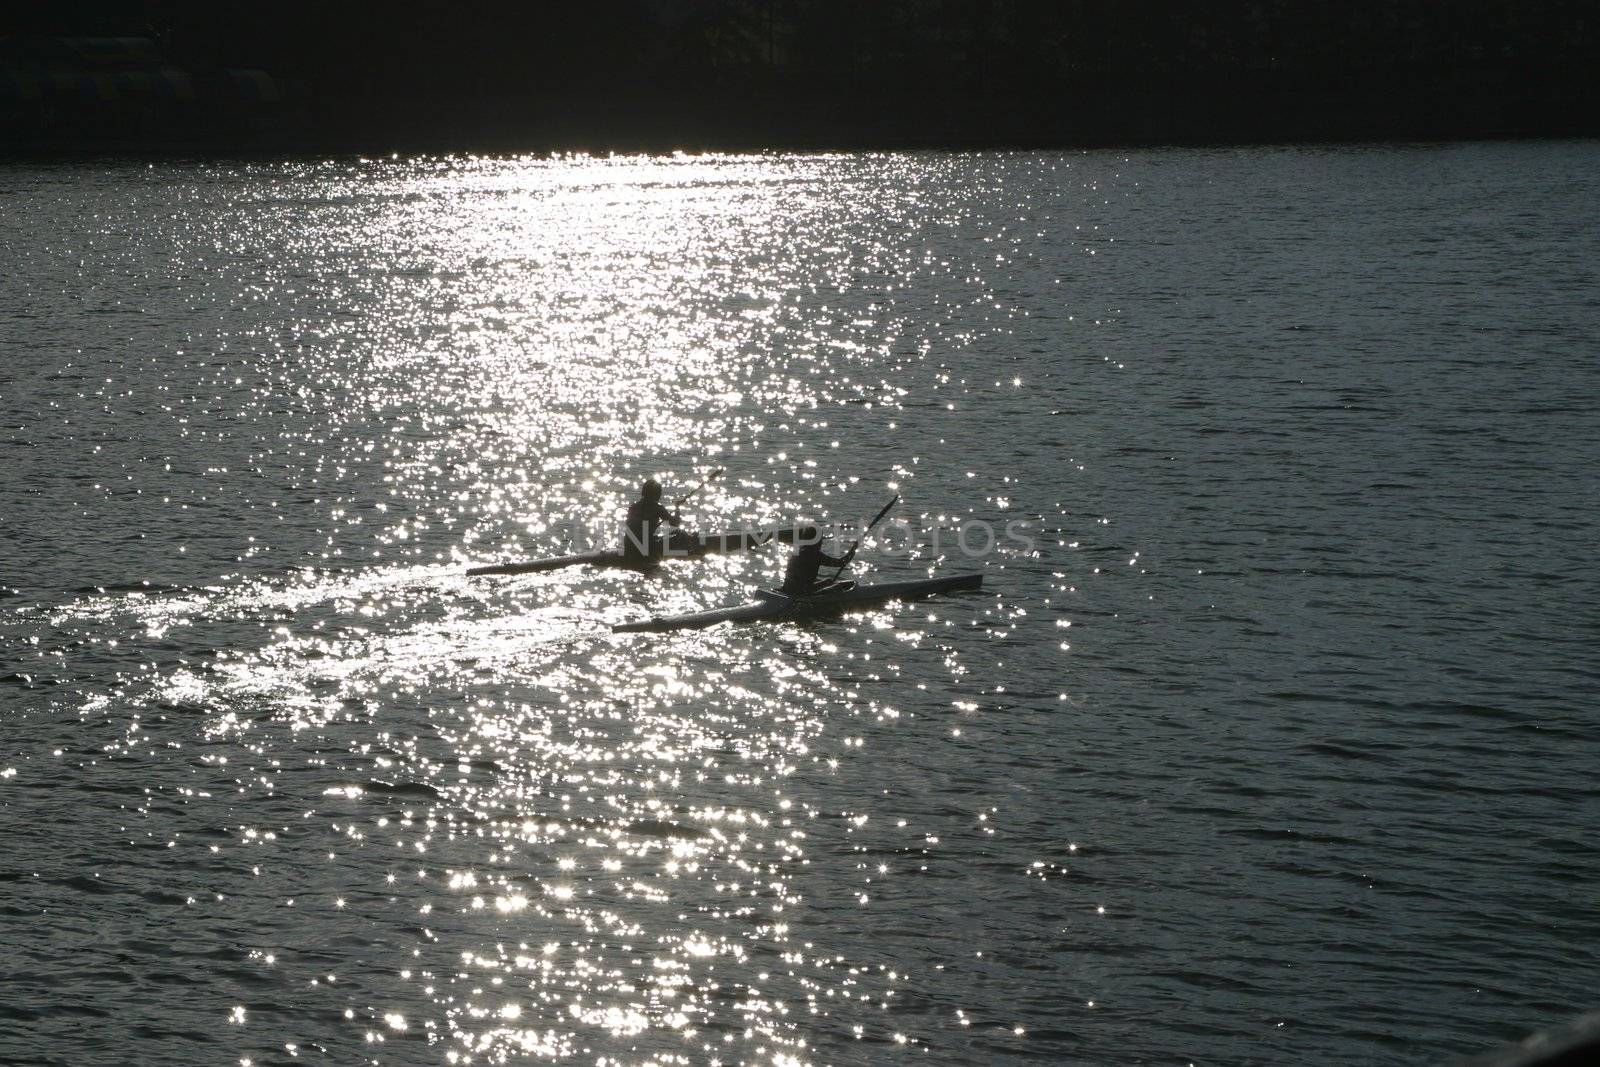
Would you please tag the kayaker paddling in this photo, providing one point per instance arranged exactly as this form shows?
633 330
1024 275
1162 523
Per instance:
800 576
646 543
641 538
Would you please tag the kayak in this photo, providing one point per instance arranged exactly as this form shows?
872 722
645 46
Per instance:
779 607
679 546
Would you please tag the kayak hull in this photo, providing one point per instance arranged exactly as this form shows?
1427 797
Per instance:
776 607
680 546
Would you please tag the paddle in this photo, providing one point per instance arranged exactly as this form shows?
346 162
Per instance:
684 499
850 555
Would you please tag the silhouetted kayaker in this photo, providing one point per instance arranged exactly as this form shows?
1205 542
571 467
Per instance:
800 576
641 537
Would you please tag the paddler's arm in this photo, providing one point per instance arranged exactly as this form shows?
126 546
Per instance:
671 518
842 561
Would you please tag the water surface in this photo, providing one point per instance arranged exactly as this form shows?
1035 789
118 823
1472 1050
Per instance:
1276 743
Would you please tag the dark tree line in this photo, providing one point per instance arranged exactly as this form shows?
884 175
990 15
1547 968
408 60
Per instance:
805 66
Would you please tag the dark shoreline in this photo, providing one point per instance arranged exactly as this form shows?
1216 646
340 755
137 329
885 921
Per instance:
182 77
303 127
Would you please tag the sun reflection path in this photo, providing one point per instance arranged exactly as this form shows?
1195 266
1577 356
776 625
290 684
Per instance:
478 826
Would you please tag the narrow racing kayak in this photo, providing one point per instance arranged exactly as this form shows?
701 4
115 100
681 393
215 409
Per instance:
777 607
680 546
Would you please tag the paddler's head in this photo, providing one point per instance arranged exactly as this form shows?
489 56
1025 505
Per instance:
650 492
807 536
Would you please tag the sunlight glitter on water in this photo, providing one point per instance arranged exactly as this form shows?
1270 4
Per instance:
598 790
554 836
264 416
627 800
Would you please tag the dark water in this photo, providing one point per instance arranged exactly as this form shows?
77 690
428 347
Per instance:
1278 746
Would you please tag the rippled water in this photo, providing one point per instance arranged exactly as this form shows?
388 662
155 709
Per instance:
1279 745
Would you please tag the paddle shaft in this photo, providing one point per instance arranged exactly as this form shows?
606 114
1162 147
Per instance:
876 519
684 499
